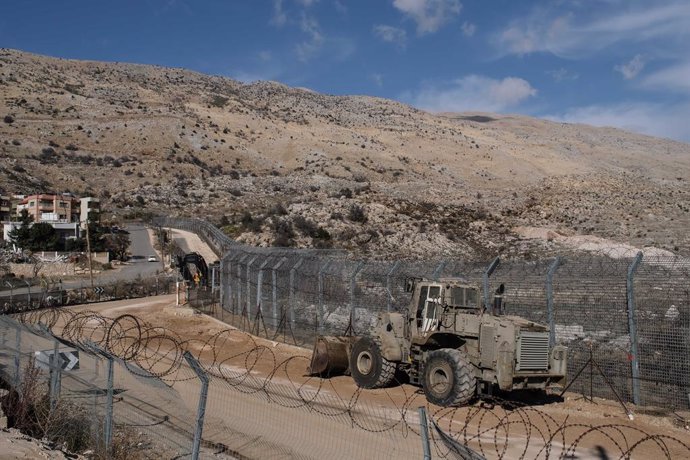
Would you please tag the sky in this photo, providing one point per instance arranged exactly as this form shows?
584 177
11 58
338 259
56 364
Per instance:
622 63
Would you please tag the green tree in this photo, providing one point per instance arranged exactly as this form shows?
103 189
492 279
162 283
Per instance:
21 235
43 237
117 244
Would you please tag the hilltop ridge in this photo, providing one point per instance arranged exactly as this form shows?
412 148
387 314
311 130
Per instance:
275 164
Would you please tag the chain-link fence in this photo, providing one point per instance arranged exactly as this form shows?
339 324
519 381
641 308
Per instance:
87 398
629 313
31 297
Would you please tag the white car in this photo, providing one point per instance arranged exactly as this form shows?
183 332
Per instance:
153 259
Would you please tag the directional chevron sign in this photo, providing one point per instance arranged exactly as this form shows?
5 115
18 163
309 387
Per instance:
68 359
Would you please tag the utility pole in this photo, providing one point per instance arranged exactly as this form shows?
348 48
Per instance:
88 248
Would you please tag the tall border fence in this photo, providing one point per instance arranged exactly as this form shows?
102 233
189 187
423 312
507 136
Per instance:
624 316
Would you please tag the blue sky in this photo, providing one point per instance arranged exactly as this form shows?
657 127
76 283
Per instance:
623 63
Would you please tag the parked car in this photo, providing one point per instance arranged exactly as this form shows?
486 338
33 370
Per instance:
153 259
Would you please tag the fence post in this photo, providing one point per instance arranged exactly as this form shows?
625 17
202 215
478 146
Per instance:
389 302
353 285
17 355
108 422
239 284
220 282
487 273
259 284
274 286
249 286
424 432
28 296
438 270
55 374
214 269
549 299
320 316
201 410
291 299
632 328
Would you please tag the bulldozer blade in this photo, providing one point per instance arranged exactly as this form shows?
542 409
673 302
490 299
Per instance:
331 356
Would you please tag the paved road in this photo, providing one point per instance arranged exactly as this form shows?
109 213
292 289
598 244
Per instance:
138 266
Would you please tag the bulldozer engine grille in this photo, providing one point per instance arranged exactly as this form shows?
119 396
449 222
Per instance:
533 351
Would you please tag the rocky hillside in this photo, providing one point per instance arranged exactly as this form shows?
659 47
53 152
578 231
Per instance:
283 166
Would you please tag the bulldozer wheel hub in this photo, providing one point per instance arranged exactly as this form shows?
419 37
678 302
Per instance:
364 363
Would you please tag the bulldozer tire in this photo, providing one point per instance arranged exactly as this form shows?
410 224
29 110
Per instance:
448 379
368 367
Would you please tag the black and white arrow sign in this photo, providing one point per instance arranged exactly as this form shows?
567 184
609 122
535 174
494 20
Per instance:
99 290
68 360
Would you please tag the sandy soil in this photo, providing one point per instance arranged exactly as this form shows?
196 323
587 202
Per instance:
277 363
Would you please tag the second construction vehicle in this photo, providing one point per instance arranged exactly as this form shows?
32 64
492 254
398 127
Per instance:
448 343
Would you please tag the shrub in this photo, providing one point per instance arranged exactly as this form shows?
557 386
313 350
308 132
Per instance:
8 119
251 223
357 214
284 233
305 226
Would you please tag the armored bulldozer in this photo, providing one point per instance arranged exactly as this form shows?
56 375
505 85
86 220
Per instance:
449 343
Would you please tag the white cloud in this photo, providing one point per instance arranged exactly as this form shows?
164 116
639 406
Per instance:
377 78
391 34
674 78
571 35
340 7
562 74
265 55
468 29
279 17
630 69
310 47
660 120
430 15
473 92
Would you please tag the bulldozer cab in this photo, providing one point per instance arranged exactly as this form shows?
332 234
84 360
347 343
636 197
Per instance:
429 307
432 299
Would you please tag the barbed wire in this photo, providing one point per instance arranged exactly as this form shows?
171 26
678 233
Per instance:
492 427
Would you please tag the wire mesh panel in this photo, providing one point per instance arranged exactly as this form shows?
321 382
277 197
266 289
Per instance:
592 300
662 308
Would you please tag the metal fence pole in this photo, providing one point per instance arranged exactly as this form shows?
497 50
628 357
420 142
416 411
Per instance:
549 299
487 273
213 279
389 275
108 422
55 367
632 328
320 316
239 285
201 410
274 286
259 285
424 432
249 286
28 296
353 286
291 294
221 297
17 355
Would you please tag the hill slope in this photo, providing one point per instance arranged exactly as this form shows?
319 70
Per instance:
363 173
